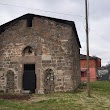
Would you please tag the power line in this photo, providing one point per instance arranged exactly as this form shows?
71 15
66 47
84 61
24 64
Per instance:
100 36
40 10
89 29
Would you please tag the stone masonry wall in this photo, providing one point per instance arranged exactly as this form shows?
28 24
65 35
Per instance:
55 47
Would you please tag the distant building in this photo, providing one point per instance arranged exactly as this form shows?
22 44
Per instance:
103 74
94 64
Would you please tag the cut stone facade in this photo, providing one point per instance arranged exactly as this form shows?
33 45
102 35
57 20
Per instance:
52 45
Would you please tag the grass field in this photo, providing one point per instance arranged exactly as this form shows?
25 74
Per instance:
100 100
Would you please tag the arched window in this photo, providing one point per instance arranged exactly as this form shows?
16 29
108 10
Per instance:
48 81
10 81
28 51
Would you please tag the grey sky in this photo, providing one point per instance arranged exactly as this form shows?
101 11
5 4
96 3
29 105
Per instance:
99 19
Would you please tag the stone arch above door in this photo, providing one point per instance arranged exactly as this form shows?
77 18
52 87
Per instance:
10 84
48 80
28 51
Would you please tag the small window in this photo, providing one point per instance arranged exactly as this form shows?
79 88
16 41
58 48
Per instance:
29 21
83 74
28 51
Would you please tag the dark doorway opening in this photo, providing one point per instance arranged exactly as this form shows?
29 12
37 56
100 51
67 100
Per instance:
29 78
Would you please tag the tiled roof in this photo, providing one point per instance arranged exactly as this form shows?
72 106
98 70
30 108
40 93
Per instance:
83 57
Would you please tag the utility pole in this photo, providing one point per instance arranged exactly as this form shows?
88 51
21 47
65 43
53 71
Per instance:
87 44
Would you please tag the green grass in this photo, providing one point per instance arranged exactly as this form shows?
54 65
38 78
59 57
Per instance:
100 100
101 86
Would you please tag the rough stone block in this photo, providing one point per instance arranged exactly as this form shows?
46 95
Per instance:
14 59
1 73
46 57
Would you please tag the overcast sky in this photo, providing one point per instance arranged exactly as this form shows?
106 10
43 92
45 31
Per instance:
74 10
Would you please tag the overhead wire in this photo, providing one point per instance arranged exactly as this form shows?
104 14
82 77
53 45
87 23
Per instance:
41 10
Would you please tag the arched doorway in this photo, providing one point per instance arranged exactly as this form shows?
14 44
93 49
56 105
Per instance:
10 81
48 81
29 76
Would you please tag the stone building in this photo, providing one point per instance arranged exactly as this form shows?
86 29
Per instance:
39 54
